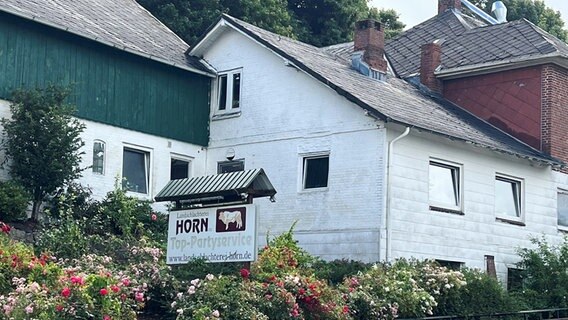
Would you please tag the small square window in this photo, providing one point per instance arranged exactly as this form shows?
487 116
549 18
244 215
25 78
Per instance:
229 91
514 279
508 198
179 169
99 157
315 172
451 265
444 186
231 166
562 208
136 170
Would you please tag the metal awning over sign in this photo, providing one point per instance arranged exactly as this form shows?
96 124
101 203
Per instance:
237 186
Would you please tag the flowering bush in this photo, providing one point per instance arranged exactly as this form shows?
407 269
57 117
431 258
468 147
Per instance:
405 288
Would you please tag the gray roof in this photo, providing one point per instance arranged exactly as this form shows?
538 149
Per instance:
122 24
254 182
469 44
394 100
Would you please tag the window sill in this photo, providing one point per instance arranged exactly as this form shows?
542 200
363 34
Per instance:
226 115
446 210
140 196
563 229
313 190
510 221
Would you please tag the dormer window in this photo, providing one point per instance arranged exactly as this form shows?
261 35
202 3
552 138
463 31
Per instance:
230 90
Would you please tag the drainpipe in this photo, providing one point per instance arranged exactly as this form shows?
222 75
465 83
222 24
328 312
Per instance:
388 195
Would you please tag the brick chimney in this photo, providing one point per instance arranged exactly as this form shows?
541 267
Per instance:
370 38
445 5
430 60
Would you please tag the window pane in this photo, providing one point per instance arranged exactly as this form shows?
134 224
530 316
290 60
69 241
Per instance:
563 209
316 172
236 90
179 169
98 157
507 198
223 92
514 279
231 166
444 184
134 171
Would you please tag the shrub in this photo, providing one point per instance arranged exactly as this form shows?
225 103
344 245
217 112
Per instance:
483 294
14 201
337 270
545 274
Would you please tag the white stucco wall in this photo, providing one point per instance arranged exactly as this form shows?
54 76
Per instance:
285 114
161 151
422 233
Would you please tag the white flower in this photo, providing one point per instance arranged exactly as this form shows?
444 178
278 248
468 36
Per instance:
191 290
216 314
195 282
173 305
179 311
180 295
209 277
29 309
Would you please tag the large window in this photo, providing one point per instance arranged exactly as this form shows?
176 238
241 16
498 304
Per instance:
514 279
231 166
136 170
98 157
179 169
230 90
315 172
508 198
562 208
444 186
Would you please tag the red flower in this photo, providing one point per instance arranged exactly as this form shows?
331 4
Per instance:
66 292
345 309
301 291
245 273
58 308
125 281
107 317
77 280
103 292
154 217
5 228
115 288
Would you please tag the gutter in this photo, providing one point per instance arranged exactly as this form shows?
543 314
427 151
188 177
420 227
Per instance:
388 215
109 44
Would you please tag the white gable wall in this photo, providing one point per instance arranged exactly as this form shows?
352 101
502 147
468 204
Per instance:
422 233
286 114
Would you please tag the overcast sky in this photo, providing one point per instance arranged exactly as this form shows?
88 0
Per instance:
413 12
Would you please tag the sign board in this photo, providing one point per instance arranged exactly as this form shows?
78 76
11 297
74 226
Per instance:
220 234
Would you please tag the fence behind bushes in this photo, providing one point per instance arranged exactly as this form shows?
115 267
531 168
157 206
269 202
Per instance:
560 313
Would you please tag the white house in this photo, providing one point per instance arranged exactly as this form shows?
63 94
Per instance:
371 166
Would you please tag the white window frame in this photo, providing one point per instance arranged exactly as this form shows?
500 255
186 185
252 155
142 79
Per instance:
103 156
521 201
302 172
560 227
444 207
148 167
229 92
189 160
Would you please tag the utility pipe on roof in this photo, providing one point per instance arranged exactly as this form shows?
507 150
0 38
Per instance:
388 216
488 18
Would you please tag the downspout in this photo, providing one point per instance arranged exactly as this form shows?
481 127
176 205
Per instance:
388 217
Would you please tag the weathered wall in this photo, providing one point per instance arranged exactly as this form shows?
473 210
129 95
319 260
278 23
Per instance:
286 114
422 233
510 100
161 151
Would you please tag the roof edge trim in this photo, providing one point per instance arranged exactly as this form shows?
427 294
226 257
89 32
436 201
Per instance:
516 63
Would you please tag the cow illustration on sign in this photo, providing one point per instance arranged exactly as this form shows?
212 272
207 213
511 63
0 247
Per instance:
230 219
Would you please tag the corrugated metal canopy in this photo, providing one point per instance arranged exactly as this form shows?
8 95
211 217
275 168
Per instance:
253 182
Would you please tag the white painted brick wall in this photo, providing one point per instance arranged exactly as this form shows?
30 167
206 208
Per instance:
115 138
285 114
421 233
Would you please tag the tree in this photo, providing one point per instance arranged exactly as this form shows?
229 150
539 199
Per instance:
317 22
42 142
534 11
